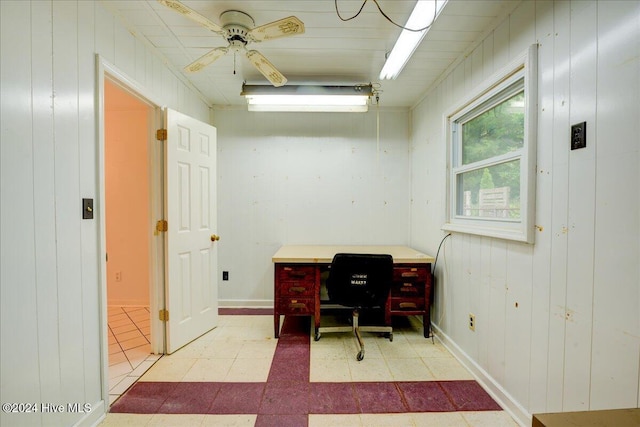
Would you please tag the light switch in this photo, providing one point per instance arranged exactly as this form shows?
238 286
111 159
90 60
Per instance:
87 208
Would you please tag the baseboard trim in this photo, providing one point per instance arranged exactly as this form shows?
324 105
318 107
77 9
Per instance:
95 417
238 303
497 392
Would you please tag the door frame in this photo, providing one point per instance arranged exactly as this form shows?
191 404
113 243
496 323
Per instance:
106 70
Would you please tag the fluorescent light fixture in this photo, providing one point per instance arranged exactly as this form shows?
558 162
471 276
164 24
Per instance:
423 15
308 98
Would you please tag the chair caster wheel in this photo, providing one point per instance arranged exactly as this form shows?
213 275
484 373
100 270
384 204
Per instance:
317 337
360 355
391 337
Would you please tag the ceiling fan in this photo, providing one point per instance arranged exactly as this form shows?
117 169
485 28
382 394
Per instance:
238 30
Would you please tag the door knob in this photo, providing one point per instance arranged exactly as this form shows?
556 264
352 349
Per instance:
215 238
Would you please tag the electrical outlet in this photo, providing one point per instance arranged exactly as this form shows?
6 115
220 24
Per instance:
118 276
472 321
579 135
225 275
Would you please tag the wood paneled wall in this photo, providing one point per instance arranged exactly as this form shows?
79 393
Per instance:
305 178
557 323
50 291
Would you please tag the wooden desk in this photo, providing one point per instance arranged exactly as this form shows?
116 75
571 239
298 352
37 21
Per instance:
297 281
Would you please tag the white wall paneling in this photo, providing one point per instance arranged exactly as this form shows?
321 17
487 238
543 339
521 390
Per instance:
616 278
302 178
50 279
556 322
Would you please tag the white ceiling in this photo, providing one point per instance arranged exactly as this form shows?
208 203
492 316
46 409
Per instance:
329 52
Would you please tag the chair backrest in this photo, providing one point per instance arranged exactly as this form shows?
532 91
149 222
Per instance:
360 280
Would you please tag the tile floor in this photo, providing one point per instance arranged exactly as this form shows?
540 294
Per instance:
129 347
239 375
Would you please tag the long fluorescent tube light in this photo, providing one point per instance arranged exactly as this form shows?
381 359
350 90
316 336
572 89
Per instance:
308 98
423 15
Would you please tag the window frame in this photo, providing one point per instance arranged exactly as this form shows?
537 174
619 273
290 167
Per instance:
494 91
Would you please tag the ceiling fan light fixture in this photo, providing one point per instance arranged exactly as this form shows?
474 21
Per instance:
424 14
308 98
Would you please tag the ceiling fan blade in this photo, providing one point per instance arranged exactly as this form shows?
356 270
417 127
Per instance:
192 14
206 59
266 68
285 27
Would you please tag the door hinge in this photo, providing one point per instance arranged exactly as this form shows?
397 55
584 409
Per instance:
162 225
161 134
164 315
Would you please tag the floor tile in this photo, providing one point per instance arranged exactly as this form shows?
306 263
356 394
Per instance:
425 397
469 396
144 398
378 397
164 420
243 420
369 370
489 418
285 398
125 420
264 420
409 370
238 398
207 369
334 420
447 368
248 370
123 385
440 419
332 398
327 370
167 369
190 398
386 420
119 369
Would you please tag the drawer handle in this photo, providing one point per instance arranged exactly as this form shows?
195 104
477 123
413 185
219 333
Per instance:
298 273
296 305
408 289
410 274
408 305
296 289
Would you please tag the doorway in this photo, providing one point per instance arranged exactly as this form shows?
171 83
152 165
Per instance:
128 181
181 219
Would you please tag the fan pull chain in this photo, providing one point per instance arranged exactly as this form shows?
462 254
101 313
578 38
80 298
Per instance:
234 63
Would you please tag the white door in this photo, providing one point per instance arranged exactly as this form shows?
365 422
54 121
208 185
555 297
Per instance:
192 270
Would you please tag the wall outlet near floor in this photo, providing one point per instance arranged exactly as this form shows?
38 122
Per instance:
118 276
225 275
472 321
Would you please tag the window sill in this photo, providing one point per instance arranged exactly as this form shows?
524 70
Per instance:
518 235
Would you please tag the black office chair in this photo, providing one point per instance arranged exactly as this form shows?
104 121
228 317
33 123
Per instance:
359 281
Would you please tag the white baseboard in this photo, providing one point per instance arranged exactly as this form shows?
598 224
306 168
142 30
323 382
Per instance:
95 417
497 392
238 303
127 303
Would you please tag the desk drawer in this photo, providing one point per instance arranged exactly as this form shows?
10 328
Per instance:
409 289
295 273
296 288
407 304
296 306
410 274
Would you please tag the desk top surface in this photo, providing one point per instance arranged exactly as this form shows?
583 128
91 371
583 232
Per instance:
324 254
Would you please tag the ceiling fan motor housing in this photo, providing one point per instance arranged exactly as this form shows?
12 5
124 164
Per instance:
237 24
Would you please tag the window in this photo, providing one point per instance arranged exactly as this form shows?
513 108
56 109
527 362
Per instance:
491 137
